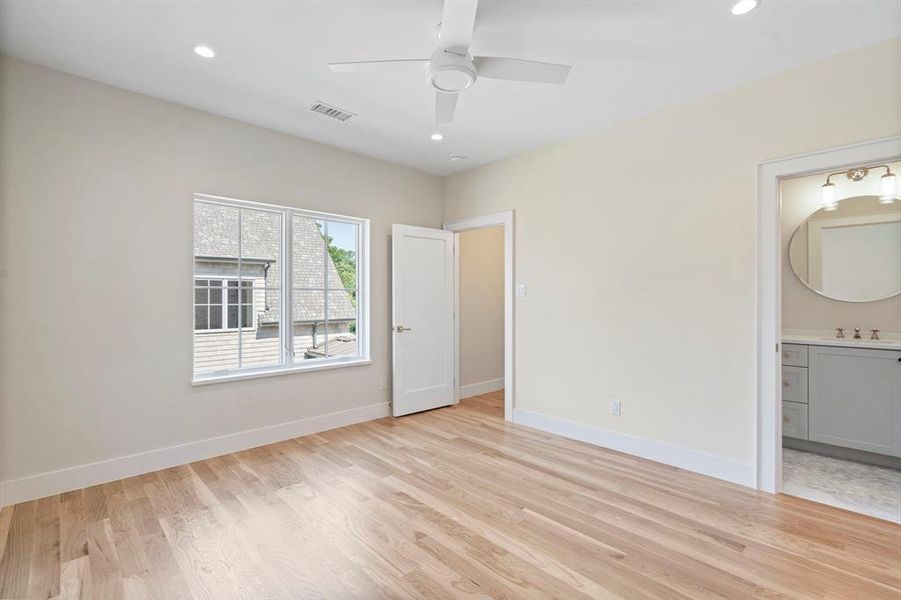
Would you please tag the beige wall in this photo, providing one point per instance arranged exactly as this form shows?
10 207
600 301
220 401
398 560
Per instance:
481 305
802 308
96 259
645 234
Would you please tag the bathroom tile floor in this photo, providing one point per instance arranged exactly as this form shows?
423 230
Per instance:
863 488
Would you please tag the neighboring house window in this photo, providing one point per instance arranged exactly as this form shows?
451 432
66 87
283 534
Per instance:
276 288
217 304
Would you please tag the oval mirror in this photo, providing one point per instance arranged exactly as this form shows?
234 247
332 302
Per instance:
852 253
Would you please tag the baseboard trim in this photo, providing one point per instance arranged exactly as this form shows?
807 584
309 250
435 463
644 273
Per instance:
482 387
675 456
55 482
870 458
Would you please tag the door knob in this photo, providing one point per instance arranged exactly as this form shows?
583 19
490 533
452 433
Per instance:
401 328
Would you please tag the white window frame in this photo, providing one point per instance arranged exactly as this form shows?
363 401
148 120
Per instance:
287 362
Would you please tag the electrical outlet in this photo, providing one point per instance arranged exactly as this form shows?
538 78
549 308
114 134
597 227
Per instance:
383 382
616 408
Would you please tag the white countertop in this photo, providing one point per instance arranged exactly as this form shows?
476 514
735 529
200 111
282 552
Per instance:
886 341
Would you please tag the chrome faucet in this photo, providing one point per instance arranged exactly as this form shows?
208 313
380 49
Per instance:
857 333
840 332
874 334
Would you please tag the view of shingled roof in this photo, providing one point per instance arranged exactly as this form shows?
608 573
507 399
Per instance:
216 235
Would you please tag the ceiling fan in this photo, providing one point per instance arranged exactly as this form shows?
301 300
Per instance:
452 69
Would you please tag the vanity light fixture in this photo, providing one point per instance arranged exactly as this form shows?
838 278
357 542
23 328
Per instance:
828 201
888 185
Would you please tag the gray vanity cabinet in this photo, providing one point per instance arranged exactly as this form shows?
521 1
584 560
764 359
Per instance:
855 398
794 391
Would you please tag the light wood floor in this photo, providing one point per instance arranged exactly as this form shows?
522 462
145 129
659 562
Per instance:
453 503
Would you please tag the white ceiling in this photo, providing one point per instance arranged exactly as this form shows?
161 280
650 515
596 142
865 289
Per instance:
629 58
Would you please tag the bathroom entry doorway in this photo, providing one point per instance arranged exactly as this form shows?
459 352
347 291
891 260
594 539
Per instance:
829 407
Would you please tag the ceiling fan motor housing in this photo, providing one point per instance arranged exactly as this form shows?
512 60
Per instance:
451 70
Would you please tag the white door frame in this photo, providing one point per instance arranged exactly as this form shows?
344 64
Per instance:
769 285
504 219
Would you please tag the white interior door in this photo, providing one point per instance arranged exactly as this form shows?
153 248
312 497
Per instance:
423 321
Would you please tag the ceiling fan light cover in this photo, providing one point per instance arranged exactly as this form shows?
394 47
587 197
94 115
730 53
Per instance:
452 78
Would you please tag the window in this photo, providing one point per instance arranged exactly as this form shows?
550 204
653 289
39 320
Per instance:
214 298
276 288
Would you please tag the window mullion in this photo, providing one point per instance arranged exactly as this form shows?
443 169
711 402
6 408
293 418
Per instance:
223 302
287 296
325 262
360 326
240 291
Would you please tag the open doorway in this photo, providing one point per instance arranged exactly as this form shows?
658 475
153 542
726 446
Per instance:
841 336
484 306
480 313
830 303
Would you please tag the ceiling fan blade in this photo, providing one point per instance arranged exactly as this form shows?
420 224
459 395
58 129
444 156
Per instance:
515 69
445 105
457 22
379 66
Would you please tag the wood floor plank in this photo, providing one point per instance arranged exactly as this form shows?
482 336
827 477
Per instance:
15 566
6 517
44 579
450 503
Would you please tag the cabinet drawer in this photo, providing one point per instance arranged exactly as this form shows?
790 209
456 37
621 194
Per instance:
794 355
794 384
794 420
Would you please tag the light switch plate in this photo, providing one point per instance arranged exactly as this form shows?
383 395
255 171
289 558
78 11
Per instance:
521 290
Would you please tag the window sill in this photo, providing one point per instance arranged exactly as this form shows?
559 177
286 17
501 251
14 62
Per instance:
209 379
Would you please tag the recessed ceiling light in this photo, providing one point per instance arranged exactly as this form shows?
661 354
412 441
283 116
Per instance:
204 51
437 137
743 7
457 157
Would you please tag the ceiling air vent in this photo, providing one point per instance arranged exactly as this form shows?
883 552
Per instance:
331 111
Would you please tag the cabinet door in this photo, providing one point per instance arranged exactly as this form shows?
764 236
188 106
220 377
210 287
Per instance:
855 398
794 420
794 355
794 384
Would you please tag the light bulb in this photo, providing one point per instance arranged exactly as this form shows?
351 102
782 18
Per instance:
887 189
828 199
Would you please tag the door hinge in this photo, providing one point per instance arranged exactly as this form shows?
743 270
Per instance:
777 347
